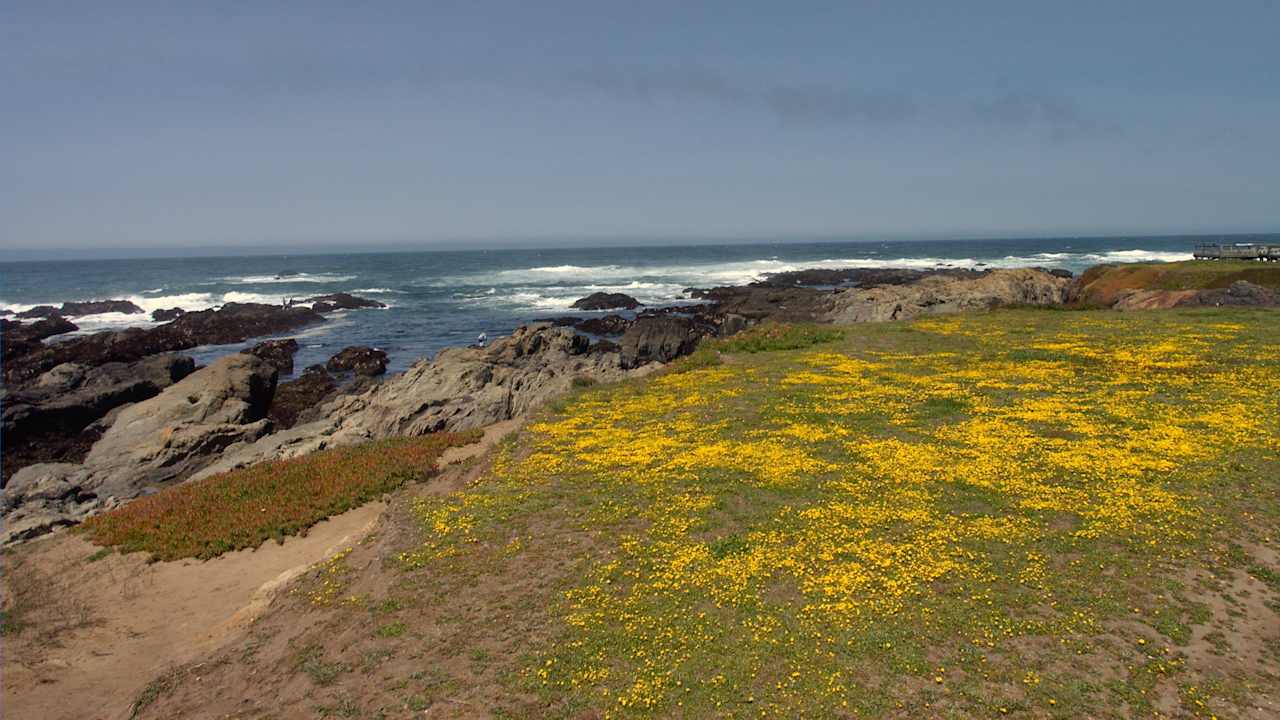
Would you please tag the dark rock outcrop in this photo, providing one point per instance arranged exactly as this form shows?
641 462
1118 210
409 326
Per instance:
39 311
360 360
340 301
19 334
232 323
91 307
657 339
46 420
606 301
167 314
607 325
784 304
300 398
19 340
149 444
277 352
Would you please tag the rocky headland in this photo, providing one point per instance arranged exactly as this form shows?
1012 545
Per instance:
129 416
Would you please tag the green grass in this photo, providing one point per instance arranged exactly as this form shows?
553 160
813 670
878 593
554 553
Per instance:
244 508
691 602
772 337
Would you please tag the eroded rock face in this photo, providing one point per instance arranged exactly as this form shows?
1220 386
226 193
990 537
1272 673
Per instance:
301 398
606 301
465 388
658 339
149 444
462 388
277 352
44 421
1241 293
232 323
361 360
940 294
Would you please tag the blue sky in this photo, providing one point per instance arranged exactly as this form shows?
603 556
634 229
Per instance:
325 124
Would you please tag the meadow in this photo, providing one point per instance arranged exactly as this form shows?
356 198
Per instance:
1022 513
1015 512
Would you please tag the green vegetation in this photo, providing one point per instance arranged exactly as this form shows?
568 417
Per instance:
1021 513
771 337
244 508
964 516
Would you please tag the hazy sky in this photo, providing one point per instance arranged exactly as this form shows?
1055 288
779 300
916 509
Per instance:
127 124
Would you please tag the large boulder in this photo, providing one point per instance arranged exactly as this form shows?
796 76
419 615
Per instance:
150 444
606 301
465 388
361 360
658 339
174 433
277 352
938 294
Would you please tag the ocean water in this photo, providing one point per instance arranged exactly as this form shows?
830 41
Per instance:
440 299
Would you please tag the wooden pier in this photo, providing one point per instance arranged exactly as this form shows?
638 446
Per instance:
1238 251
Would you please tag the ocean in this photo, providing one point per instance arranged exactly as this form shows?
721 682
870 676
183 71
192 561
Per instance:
447 298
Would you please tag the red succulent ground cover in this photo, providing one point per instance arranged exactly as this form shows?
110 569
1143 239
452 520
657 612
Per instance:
243 508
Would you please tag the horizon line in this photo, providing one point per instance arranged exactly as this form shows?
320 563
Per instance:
560 242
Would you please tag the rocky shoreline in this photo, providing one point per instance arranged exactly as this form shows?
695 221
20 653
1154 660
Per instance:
96 420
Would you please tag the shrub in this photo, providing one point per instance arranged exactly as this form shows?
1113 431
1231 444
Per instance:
243 508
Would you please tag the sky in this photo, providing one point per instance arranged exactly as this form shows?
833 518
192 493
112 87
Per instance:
347 125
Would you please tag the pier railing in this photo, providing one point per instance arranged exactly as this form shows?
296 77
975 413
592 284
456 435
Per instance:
1238 251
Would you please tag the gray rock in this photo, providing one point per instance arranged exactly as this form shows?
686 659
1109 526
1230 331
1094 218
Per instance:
150 443
43 421
657 339
939 294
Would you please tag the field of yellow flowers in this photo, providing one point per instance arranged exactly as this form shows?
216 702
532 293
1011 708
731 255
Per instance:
1018 513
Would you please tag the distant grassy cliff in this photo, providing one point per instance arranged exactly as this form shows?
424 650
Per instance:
1101 285
1019 513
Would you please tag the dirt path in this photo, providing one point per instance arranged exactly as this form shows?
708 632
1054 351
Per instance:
142 618
101 628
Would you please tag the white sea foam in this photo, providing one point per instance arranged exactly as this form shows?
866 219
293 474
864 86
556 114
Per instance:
1128 256
378 291
299 278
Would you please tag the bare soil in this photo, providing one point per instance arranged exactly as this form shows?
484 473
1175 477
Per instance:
87 631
